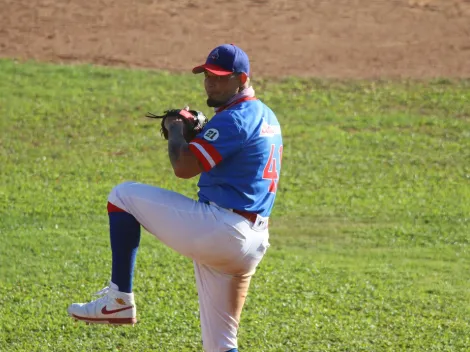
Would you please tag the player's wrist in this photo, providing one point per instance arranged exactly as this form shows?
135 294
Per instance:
176 128
172 120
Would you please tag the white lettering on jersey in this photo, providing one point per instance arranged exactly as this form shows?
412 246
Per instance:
269 130
211 134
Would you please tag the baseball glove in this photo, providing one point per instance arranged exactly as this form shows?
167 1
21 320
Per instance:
194 121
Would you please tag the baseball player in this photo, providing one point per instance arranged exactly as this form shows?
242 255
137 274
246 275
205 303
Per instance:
225 232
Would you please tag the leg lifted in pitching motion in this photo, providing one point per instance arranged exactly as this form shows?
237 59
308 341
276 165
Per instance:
224 248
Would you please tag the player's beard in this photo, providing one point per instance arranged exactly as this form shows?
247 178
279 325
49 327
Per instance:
212 103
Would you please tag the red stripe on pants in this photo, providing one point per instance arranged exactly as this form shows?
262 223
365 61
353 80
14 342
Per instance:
114 209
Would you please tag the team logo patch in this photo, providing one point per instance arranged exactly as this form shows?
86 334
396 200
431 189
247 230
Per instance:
215 54
211 134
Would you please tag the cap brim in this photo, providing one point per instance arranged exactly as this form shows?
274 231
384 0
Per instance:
216 70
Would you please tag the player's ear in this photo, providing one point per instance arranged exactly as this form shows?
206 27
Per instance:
243 78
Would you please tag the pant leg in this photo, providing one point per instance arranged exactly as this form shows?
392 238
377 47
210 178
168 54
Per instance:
224 247
221 299
222 290
194 229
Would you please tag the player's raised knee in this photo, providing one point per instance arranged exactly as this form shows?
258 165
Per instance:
117 196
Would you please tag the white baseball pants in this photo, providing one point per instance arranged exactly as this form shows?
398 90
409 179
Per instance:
225 247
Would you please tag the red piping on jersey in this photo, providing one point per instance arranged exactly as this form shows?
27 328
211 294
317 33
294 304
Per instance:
209 149
205 164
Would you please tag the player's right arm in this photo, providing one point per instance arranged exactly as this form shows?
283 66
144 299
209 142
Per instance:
185 164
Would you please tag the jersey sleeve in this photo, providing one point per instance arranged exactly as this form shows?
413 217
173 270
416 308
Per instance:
220 138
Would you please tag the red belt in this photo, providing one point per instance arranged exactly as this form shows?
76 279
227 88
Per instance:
249 216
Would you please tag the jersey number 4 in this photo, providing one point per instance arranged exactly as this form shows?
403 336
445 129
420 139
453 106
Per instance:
270 170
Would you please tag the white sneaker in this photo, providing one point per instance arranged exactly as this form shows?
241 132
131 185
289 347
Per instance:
113 307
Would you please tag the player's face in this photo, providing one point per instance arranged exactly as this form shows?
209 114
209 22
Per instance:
220 89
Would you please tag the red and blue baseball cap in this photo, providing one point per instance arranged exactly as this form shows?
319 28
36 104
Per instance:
225 60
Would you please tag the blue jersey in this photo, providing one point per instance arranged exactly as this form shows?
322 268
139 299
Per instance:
240 149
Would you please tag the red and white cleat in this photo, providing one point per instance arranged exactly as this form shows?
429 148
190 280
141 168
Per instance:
113 307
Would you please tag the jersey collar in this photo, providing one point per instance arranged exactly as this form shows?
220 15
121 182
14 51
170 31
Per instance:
238 101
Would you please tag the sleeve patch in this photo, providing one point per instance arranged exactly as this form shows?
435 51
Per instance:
211 134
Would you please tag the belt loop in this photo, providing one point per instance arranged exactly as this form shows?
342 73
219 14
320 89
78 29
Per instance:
260 224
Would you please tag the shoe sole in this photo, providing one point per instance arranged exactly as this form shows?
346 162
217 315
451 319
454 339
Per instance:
113 321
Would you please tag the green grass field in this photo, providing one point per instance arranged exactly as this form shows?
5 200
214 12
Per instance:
370 233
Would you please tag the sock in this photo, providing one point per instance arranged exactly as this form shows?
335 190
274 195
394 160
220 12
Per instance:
233 350
124 232
113 286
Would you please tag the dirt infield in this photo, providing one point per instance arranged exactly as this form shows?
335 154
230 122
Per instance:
323 38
